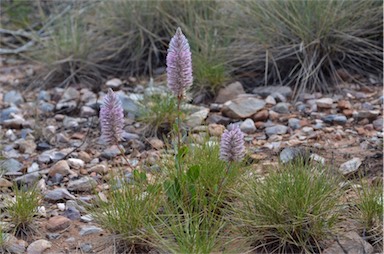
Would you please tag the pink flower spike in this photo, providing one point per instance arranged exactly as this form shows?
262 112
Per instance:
111 118
232 144
179 64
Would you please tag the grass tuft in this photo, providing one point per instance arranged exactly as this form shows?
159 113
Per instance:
23 208
290 210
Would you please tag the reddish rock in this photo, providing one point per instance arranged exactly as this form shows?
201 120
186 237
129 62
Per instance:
58 223
259 125
344 104
348 112
60 167
262 115
305 122
273 115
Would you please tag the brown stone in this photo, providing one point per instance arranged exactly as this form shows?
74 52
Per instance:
344 104
156 143
273 115
84 156
58 223
60 167
259 125
348 112
216 129
229 92
262 115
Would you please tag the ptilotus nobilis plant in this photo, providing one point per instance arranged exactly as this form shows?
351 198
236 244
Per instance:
232 144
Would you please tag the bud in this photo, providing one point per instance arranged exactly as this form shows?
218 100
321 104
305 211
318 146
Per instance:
111 118
179 64
232 144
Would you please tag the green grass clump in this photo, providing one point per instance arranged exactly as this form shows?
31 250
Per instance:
23 208
196 187
303 43
129 211
369 212
159 114
290 210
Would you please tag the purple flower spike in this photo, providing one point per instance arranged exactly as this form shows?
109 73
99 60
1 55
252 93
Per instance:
179 64
232 144
111 118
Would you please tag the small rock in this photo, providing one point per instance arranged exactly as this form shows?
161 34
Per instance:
69 99
350 166
114 83
281 108
86 218
13 97
344 104
294 123
87 111
58 223
100 169
4 183
156 143
70 123
371 114
262 115
378 124
86 247
46 107
33 168
58 194
60 167
13 245
28 179
248 126
26 146
90 230
324 103
216 130
111 152
76 163
276 129
270 100
307 131
11 165
85 183
39 246
72 213
61 206
290 153
286 91
229 92
279 97
241 108
337 119
197 118
218 119
350 243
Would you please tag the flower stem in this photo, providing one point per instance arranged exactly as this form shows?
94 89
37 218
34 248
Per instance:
122 152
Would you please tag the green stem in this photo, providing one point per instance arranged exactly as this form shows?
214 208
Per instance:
122 152
179 98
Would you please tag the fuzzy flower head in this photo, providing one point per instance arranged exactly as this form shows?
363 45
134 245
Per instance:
232 144
111 118
179 64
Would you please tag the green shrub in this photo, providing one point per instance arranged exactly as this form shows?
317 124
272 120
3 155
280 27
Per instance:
129 211
303 43
23 208
291 209
370 211
197 187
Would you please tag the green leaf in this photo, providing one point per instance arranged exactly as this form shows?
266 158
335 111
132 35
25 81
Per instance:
193 173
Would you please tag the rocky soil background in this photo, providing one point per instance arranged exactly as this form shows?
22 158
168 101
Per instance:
52 137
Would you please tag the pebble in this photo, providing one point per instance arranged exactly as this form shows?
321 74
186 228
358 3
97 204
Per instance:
86 247
28 179
286 91
76 163
4 183
100 169
68 100
229 92
26 146
242 108
197 118
86 218
378 124
60 167
324 103
270 100
262 115
11 165
72 213
61 206
86 111
290 153
114 83
294 123
58 194
88 230
58 223
276 129
39 246
218 119
33 168
350 166
216 130
281 108
110 152
248 126
85 183
14 245
350 243
13 97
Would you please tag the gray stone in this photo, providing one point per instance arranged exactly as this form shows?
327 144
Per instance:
270 100
70 123
11 165
87 111
290 153
367 106
218 119
324 103
197 118
69 99
46 107
39 246
44 96
13 97
88 230
337 119
350 166
279 97
286 91
110 152
129 105
371 114
378 124
229 92
5 114
276 130
241 108
307 131
74 204
28 179
294 123
248 126
72 213
58 194
85 183
350 243
33 168
86 247
114 83
13 245
86 218
281 108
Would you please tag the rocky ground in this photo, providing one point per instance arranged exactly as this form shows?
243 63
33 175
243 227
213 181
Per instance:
52 136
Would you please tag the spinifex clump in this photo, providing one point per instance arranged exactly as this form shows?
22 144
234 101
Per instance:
179 71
